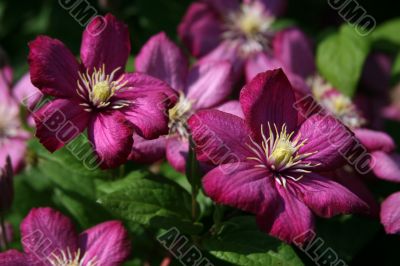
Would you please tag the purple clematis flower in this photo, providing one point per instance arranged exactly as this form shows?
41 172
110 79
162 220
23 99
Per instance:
390 214
49 239
13 137
204 85
96 94
385 163
273 165
242 32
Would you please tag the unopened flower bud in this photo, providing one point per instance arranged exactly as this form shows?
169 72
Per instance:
6 187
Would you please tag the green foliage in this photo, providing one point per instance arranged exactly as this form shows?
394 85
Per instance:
340 58
240 242
151 201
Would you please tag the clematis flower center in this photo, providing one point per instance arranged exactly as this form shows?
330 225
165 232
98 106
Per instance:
336 103
178 116
279 153
251 25
8 122
71 259
98 89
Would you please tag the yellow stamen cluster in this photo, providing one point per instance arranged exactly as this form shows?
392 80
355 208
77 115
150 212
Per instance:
98 88
252 26
178 116
280 153
69 259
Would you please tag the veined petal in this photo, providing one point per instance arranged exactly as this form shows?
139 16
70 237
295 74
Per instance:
105 41
209 83
13 257
111 137
177 151
269 98
163 59
260 62
293 48
58 122
45 234
386 165
232 107
107 244
326 139
200 29
147 151
53 68
328 198
219 137
243 186
289 221
375 140
15 148
390 214
27 94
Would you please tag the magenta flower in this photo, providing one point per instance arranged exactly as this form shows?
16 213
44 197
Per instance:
96 94
13 137
271 163
242 32
390 214
205 85
385 163
49 239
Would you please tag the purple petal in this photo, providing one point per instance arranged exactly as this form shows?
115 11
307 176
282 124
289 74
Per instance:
390 214
147 151
9 234
293 48
27 94
150 99
231 107
260 62
290 221
274 7
227 51
5 84
224 6
58 122
241 185
209 83
111 137
13 258
163 59
53 68
356 184
200 29
45 233
392 112
375 140
328 140
15 148
219 137
177 151
269 98
105 41
328 198
386 166
107 243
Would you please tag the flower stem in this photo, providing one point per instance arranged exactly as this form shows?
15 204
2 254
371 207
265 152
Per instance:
3 231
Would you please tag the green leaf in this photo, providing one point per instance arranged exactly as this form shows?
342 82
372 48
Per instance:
388 31
338 233
395 79
340 59
72 168
152 201
240 242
